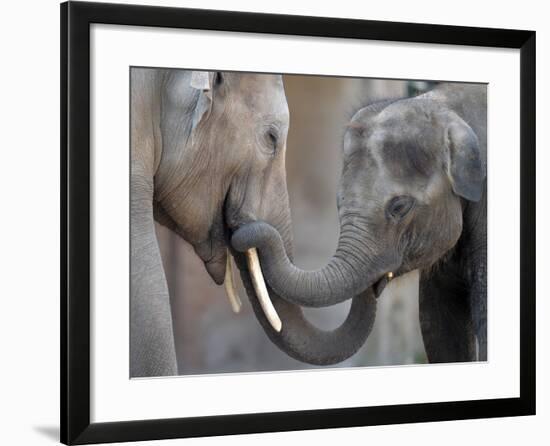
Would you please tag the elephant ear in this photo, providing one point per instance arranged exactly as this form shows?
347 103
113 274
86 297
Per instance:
202 80
465 167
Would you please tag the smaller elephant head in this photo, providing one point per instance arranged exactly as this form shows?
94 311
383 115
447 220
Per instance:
407 170
410 166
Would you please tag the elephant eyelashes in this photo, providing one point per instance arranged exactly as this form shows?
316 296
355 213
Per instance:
399 206
272 140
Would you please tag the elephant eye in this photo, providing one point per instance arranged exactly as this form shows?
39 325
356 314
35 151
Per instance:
272 140
399 206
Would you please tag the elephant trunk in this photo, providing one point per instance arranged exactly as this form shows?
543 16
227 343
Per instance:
356 265
302 340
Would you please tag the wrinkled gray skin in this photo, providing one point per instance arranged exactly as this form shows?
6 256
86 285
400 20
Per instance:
412 196
208 155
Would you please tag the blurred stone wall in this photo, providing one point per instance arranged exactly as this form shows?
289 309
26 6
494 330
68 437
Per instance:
210 338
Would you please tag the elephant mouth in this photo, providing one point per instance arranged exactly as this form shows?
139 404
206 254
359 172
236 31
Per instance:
379 286
256 277
259 285
381 283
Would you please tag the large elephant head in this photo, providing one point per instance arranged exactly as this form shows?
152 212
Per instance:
222 167
223 145
410 166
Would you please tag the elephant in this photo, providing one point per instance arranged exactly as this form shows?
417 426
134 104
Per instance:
412 196
208 156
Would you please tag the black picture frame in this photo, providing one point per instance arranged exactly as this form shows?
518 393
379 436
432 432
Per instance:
76 18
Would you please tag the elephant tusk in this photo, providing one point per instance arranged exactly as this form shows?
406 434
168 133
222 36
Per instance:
229 284
389 276
261 290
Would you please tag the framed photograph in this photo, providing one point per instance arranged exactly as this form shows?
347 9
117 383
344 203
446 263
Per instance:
226 176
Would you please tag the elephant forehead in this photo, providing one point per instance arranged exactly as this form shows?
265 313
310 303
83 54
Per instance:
407 151
263 96
260 85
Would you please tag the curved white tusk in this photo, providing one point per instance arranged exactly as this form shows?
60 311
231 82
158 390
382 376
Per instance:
389 276
261 290
229 284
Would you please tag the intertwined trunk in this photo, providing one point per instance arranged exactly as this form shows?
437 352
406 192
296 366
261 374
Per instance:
356 265
302 340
